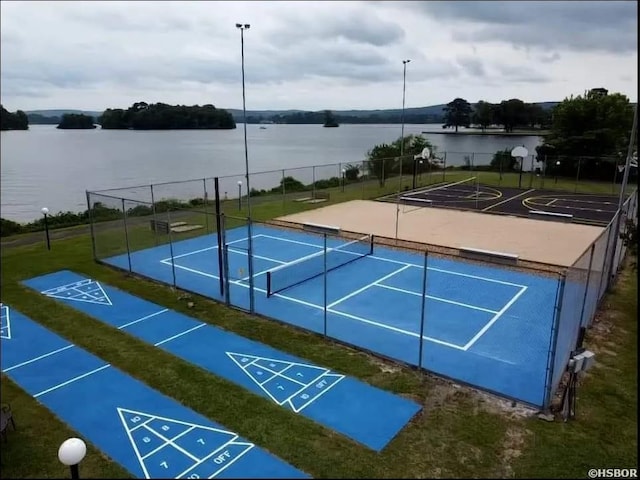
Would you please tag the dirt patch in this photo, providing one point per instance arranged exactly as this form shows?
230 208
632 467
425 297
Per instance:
515 440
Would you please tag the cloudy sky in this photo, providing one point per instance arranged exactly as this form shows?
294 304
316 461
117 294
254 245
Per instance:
312 55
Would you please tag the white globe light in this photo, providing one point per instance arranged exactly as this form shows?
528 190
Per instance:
239 182
45 210
72 451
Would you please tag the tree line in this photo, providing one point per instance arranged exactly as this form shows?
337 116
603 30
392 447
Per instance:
510 114
160 116
13 121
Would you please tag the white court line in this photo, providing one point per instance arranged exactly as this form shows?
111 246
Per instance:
395 329
364 320
169 441
436 298
375 257
551 202
226 465
507 200
360 290
191 428
215 247
55 387
143 318
493 320
37 358
179 334
313 399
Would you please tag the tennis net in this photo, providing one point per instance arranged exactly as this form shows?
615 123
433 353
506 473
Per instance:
312 266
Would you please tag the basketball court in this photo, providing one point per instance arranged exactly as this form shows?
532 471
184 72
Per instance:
469 194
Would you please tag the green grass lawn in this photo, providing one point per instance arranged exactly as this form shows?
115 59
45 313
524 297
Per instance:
460 432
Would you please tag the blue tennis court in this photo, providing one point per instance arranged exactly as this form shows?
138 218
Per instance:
483 325
364 413
148 433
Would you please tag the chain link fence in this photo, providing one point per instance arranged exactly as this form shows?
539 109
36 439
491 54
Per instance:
198 236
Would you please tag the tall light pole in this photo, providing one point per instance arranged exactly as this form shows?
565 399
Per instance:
242 27
404 83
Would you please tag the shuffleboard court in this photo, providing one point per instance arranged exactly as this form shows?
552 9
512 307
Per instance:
364 413
148 433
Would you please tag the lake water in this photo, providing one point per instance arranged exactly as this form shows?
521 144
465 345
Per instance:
44 166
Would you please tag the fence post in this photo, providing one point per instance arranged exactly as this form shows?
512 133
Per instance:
173 266
584 298
225 258
206 200
554 340
444 167
153 210
531 173
422 308
220 234
577 175
324 283
126 233
313 182
284 194
93 236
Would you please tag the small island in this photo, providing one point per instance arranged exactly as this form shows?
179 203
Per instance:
160 116
76 121
13 121
330 119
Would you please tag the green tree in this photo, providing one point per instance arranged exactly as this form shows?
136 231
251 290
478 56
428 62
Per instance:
593 124
384 160
160 116
457 114
76 121
503 161
13 121
482 114
511 113
330 119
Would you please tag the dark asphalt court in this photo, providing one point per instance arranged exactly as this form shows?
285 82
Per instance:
575 207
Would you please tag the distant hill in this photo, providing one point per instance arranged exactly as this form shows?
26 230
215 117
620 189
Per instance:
60 112
416 115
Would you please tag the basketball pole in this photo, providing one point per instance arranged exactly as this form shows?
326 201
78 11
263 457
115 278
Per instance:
623 186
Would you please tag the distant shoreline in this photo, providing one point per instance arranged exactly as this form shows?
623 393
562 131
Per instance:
519 133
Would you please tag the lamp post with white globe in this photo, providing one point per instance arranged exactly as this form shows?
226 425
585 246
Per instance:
45 212
71 453
239 194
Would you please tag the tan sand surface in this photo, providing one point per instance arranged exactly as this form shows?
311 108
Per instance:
533 240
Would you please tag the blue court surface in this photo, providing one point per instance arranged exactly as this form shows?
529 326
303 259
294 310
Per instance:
149 434
486 326
364 413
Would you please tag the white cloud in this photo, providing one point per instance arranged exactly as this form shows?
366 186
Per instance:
311 55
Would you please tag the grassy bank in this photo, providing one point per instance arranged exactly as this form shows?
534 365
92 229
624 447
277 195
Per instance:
460 433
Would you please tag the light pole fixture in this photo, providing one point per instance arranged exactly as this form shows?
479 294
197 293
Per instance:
242 27
45 212
71 453
556 170
239 194
404 83
344 172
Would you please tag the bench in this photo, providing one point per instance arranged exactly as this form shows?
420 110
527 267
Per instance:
162 226
480 254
